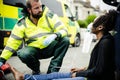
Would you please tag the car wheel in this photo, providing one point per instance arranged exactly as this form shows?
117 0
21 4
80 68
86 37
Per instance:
77 41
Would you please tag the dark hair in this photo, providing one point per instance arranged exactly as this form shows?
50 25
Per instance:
107 20
25 11
28 3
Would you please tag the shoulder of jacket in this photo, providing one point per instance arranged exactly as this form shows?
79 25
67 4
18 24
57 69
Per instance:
50 14
21 21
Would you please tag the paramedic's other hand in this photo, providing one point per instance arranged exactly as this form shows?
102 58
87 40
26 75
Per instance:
50 39
1 64
2 61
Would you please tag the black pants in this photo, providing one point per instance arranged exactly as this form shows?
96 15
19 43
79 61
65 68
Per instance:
31 55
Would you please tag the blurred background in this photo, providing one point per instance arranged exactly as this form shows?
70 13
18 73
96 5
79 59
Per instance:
89 8
84 12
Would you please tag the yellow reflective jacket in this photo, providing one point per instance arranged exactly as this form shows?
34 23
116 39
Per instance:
33 35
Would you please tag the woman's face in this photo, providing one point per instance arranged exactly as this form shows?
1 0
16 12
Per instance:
96 29
93 29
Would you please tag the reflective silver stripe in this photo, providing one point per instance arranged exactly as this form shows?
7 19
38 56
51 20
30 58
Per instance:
22 22
10 49
38 35
57 24
48 23
16 37
65 31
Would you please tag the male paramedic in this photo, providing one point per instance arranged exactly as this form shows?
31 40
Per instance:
44 36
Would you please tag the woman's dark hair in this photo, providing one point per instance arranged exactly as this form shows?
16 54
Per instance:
107 20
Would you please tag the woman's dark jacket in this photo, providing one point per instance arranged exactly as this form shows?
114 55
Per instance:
101 65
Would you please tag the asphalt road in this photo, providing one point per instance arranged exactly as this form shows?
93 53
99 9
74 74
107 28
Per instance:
73 58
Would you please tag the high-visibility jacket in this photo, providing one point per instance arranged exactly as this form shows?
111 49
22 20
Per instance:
32 34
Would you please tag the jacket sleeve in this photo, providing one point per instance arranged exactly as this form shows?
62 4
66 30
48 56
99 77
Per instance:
14 41
60 27
57 25
103 62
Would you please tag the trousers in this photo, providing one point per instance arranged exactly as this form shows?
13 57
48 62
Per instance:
52 76
57 50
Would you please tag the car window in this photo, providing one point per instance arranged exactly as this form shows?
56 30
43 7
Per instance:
17 3
54 6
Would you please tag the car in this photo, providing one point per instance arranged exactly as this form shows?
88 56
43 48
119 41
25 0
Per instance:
64 12
57 6
89 27
9 15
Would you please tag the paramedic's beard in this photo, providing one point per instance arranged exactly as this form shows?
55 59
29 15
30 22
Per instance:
37 16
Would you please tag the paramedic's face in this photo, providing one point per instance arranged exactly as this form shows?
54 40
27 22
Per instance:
36 9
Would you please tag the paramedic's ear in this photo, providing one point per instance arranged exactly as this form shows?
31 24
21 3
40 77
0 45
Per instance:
28 9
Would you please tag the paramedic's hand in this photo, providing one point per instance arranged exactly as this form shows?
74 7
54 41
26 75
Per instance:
2 61
50 39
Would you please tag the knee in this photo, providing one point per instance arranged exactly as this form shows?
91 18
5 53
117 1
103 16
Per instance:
24 54
65 40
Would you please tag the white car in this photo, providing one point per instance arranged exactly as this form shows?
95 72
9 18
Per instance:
89 27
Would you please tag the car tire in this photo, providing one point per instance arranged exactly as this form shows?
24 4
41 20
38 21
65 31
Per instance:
77 41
